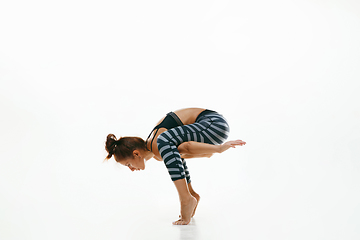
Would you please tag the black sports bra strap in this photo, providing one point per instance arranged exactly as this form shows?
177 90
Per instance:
176 118
152 140
160 125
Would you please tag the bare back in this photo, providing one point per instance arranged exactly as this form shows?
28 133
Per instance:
186 115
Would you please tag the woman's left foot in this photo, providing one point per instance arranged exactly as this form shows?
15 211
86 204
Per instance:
197 196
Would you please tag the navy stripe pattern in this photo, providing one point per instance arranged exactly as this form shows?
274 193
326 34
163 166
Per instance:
210 128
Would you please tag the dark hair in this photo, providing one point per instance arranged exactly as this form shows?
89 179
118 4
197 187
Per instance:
124 147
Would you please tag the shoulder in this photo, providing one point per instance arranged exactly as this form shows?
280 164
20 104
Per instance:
157 158
151 141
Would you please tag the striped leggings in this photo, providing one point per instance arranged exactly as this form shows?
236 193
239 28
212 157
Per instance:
210 127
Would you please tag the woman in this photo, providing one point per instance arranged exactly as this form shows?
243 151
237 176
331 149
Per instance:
185 133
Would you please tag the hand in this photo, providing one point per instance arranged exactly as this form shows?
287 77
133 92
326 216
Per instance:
231 144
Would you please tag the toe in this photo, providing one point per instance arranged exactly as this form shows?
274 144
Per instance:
180 222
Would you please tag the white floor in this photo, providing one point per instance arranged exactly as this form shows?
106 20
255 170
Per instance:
282 199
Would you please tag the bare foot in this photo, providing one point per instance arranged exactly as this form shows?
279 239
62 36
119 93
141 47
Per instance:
187 209
197 196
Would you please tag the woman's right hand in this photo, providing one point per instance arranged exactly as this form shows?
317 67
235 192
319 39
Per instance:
231 144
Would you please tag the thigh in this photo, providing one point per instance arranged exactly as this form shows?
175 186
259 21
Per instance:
209 130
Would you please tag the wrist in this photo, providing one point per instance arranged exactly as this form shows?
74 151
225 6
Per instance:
219 148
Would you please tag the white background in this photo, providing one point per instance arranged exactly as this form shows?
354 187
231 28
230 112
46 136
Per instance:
285 74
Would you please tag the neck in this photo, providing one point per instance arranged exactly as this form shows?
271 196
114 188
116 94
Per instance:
148 155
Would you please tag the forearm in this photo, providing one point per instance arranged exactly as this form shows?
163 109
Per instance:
196 148
183 155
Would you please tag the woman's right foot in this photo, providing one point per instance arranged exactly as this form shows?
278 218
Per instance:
197 196
187 209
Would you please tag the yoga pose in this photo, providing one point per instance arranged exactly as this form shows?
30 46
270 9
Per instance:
185 133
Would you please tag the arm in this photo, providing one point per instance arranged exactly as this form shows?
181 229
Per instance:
184 155
196 148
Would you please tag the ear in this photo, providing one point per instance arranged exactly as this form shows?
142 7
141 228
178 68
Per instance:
136 153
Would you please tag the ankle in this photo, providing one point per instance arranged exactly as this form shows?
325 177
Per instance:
195 195
186 199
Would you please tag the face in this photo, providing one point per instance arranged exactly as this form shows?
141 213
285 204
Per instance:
136 163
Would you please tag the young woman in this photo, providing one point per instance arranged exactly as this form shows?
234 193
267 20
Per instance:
185 133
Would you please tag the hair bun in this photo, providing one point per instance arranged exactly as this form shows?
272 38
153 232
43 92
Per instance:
110 145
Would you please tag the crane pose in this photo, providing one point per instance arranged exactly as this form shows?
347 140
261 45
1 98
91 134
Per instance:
185 133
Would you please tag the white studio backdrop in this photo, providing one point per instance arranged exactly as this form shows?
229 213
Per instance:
285 74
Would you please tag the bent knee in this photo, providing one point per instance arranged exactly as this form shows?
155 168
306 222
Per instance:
184 148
